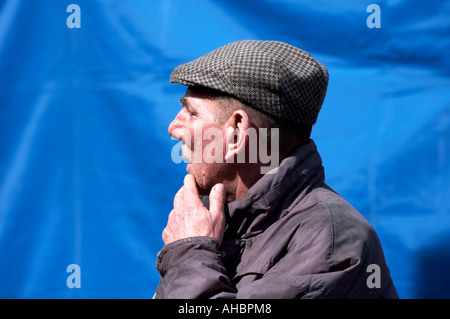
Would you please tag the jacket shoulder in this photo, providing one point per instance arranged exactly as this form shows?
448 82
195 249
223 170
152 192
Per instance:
350 232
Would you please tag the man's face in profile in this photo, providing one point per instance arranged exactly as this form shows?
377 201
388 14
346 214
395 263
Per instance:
204 151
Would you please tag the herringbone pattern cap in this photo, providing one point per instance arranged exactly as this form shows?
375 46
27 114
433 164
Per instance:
271 76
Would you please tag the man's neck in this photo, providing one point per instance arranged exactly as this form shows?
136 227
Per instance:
246 176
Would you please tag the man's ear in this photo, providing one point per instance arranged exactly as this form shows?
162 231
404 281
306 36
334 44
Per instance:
237 126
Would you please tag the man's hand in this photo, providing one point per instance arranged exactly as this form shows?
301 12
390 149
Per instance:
190 217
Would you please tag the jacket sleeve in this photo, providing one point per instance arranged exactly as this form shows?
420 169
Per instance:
192 268
313 265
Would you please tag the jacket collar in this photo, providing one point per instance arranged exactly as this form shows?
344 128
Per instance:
297 175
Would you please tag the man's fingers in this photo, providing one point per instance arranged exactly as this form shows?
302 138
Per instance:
216 209
191 218
179 198
190 187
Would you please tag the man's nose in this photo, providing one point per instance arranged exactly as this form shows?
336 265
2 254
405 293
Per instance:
176 128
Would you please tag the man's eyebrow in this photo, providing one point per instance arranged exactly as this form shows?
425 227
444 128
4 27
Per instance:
183 102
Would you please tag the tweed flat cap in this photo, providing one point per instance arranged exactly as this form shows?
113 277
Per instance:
271 76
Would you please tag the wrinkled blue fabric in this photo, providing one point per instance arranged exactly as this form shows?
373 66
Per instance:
86 175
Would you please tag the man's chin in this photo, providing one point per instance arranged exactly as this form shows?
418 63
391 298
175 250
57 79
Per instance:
201 190
190 168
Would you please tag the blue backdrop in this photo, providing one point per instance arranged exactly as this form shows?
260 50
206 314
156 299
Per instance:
86 175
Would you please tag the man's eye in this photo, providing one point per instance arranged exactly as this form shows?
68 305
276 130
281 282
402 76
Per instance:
189 113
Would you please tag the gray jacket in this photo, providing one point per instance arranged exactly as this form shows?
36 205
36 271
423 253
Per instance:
291 237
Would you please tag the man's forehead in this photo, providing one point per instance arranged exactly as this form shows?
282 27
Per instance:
196 96
190 94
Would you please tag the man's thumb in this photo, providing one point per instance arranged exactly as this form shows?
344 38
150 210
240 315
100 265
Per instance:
217 201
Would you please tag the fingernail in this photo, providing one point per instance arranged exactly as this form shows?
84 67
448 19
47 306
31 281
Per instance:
219 188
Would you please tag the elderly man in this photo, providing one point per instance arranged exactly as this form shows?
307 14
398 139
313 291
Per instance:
242 226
